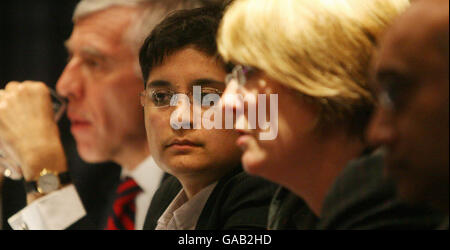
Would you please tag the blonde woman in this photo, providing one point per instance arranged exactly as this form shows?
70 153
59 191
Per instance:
314 54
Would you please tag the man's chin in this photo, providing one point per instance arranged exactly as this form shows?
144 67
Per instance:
411 191
186 166
91 156
422 191
398 170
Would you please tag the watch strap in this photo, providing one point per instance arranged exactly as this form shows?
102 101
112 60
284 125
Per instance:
64 178
31 187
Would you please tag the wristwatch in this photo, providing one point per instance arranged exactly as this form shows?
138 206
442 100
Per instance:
47 182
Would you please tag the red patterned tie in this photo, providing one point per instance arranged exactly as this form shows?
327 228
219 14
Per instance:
124 207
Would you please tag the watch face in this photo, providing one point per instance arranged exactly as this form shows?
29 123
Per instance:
48 183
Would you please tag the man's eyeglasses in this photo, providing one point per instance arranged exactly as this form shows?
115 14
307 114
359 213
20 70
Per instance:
239 73
385 100
162 97
394 89
393 95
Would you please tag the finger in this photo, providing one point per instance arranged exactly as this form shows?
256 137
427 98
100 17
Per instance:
28 82
2 101
36 87
12 86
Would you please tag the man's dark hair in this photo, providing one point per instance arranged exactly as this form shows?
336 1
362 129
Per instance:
196 28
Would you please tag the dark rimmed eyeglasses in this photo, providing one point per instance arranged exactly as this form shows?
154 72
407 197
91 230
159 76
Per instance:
163 97
240 73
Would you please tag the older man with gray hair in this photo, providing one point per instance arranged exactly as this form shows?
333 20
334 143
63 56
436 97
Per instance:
101 82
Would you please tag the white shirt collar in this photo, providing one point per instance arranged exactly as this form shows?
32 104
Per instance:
183 214
141 174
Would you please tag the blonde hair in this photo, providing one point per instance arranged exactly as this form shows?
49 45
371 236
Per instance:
321 48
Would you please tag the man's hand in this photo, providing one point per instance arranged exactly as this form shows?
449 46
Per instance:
28 129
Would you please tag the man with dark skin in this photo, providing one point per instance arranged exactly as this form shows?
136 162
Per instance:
412 122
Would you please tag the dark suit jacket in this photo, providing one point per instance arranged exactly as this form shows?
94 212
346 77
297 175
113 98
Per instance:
289 212
444 225
13 199
239 201
360 198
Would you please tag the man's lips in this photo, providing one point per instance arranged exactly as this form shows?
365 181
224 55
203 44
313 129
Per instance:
78 123
182 143
77 127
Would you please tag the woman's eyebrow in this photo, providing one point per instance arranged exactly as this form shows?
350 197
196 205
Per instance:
159 83
206 82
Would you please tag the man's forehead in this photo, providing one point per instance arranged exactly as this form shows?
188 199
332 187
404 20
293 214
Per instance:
422 20
419 30
115 16
102 28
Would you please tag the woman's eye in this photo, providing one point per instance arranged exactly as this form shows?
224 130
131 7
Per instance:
206 92
213 98
161 98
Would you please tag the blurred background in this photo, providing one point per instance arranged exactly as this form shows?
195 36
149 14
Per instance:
32 33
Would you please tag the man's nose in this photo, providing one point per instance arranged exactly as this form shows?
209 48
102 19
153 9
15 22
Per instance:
70 83
380 130
182 108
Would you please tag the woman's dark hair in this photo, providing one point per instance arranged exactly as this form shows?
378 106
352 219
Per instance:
195 28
